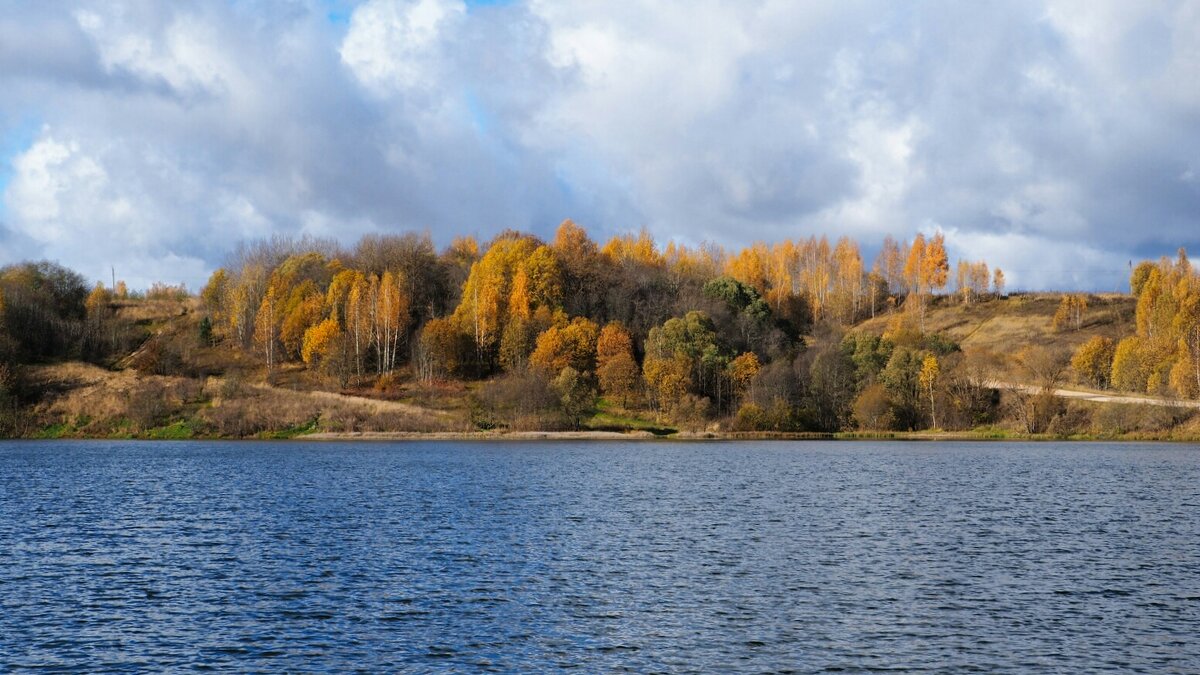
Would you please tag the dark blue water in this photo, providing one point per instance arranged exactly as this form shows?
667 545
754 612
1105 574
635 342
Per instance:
715 557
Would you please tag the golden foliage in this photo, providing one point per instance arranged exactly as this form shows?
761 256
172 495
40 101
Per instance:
266 328
743 370
572 345
1070 312
98 301
1093 361
614 340
669 379
620 376
319 340
637 249
214 293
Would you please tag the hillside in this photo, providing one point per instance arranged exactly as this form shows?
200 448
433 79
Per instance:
525 335
999 328
175 385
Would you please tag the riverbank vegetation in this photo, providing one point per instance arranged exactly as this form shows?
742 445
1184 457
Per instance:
520 334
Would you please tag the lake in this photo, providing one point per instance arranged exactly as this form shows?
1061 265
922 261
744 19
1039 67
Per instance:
650 556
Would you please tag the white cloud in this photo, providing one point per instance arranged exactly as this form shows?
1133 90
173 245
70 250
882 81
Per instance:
395 45
175 130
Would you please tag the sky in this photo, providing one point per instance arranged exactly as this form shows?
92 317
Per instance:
1058 139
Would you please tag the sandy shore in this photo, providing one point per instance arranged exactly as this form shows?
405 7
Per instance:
718 436
557 436
480 436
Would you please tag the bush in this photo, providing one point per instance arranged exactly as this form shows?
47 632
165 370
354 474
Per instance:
691 412
147 406
750 417
1114 419
1075 419
520 401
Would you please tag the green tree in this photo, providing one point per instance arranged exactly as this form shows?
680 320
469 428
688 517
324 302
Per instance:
577 394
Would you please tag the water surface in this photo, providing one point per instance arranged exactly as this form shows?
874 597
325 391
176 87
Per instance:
714 557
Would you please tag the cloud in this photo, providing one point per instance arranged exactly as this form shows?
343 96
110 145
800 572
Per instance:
1032 133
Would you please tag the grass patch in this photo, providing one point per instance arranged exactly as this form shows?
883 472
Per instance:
176 431
309 427
60 430
610 418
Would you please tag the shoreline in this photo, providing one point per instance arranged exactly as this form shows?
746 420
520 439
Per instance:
645 436
690 437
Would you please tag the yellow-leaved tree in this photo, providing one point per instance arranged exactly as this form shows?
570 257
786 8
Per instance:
1093 361
742 371
319 341
616 367
1069 314
928 377
571 345
391 317
266 328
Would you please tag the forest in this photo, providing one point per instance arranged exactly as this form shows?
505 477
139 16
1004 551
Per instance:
520 333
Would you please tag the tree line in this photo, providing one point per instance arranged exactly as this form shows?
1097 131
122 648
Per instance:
688 333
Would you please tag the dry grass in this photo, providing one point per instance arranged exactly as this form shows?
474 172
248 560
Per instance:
155 311
1007 324
85 400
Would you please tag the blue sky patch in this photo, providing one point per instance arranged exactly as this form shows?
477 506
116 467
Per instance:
13 141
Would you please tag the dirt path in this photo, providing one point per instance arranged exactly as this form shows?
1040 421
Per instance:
375 405
1098 397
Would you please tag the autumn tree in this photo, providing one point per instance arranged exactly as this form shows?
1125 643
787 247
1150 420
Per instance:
445 349
1043 369
689 341
614 341
935 266
847 293
1070 312
930 372
100 331
961 275
742 371
972 280
571 345
327 349
871 407
1093 360
914 268
890 265
318 340
620 376
390 317
304 307
668 379
215 294
266 329
1130 371
457 259
488 301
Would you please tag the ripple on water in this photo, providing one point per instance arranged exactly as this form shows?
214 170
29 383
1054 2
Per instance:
723 557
